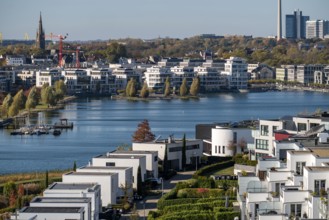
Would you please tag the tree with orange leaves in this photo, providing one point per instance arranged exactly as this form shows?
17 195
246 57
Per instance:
143 132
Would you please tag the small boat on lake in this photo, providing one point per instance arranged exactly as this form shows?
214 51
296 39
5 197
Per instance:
57 132
63 123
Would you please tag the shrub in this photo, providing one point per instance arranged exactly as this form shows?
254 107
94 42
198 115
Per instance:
212 168
226 215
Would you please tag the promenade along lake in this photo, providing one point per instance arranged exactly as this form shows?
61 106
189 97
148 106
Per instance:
102 124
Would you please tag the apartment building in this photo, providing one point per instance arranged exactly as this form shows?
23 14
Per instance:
305 73
77 81
156 76
236 73
101 81
210 79
49 76
296 189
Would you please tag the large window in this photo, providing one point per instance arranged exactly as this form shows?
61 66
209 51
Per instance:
301 127
261 144
274 128
264 130
110 164
296 210
299 167
319 186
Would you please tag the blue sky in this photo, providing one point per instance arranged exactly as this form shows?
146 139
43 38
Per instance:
147 19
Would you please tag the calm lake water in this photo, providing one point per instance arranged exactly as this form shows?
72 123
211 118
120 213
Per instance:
102 124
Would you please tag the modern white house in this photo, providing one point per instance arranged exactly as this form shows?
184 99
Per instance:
134 161
82 190
173 147
296 189
151 160
51 213
125 176
229 139
107 181
64 202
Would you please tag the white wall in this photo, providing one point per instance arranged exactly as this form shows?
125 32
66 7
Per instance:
107 181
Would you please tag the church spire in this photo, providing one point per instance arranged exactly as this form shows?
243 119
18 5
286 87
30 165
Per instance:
40 39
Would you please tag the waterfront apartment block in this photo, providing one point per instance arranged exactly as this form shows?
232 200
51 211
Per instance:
305 73
48 77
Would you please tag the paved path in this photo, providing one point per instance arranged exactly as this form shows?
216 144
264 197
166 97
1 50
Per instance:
150 202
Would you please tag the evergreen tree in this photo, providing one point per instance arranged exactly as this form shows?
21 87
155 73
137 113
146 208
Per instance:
128 86
145 91
165 162
183 88
143 132
184 152
75 166
6 104
195 86
44 93
139 181
32 99
167 87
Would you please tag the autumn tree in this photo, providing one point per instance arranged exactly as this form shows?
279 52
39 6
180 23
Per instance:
32 99
195 86
6 104
60 89
18 103
48 96
167 87
131 88
115 51
183 88
145 91
143 132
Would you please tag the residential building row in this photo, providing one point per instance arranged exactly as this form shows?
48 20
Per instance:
106 179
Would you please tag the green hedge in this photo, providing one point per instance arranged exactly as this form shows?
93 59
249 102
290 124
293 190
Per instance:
223 209
8 209
226 215
195 206
189 215
212 168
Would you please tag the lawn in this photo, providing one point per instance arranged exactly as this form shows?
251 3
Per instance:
226 171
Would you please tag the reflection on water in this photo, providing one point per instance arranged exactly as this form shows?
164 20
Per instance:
102 124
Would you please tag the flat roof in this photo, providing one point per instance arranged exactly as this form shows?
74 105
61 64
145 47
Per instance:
89 174
320 152
318 168
133 152
300 152
103 168
120 156
77 186
51 209
60 200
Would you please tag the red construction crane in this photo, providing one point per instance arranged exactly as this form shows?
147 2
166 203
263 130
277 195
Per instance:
61 38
